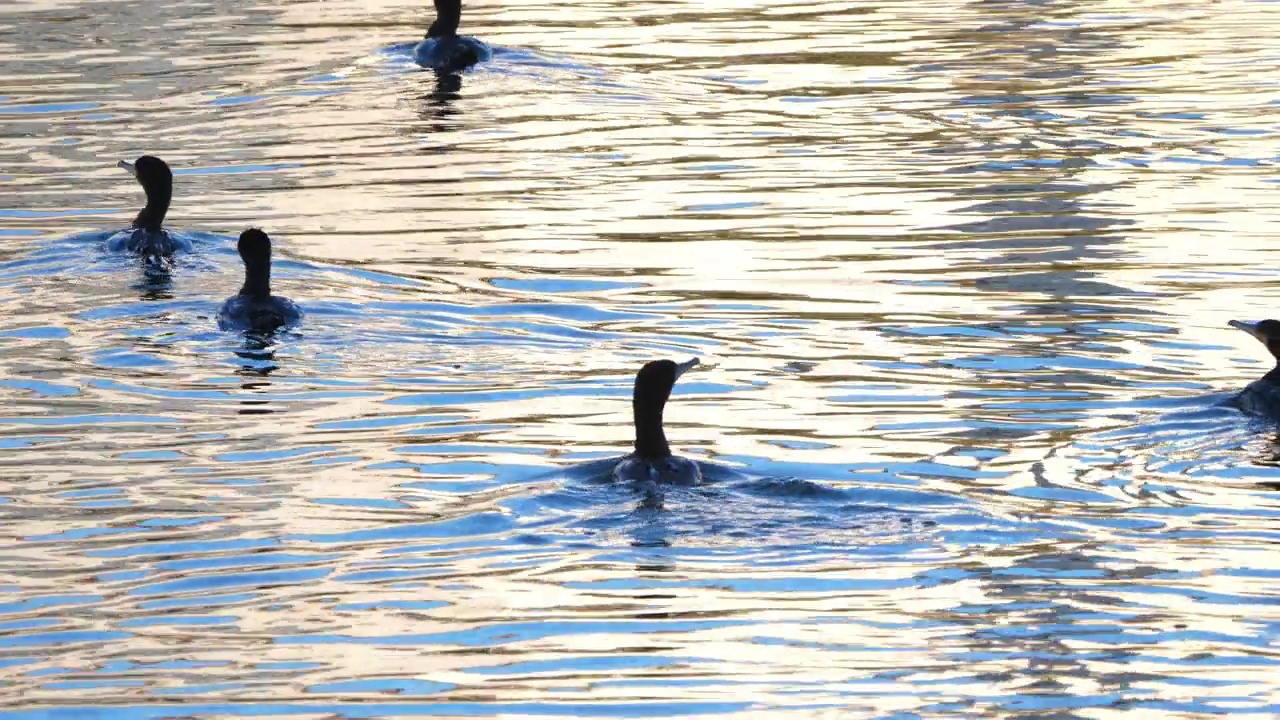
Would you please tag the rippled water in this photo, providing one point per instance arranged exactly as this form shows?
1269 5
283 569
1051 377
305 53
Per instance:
959 274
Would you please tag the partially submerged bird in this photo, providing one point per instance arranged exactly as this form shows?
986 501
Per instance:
444 50
652 461
1262 396
255 308
147 237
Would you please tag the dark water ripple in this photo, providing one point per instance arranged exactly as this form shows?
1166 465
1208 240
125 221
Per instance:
959 276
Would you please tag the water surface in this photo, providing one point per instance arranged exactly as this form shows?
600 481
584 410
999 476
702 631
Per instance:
959 275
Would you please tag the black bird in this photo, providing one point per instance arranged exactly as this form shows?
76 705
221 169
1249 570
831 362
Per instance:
444 50
652 461
1262 396
255 308
146 236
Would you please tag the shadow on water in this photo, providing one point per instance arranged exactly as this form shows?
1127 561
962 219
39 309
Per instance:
439 105
157 279
258 362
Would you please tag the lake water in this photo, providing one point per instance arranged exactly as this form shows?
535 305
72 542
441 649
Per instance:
959 275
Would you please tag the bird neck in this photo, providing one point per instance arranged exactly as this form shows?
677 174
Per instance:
152 216
448 16
1273 377
257 281
651 439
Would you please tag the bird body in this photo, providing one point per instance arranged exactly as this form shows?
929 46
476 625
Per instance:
451 54
671 470
140 241
245 312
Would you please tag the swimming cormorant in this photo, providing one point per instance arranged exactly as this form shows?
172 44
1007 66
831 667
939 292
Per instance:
443 49
146 237
255 308
652 461
1262 396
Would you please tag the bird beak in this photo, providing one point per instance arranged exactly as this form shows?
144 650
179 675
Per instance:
684 367
126 165
1249 327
